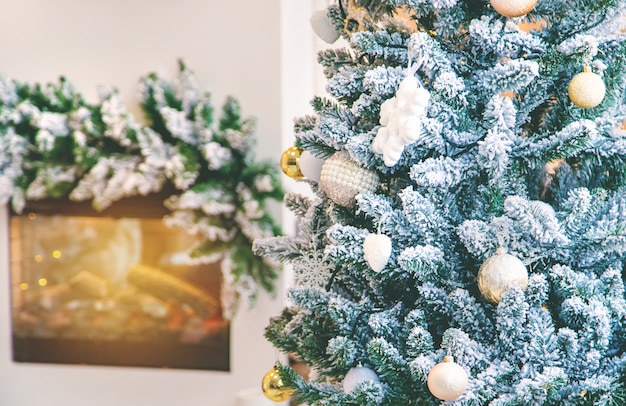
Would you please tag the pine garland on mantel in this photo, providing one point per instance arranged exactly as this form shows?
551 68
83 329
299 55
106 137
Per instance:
53 144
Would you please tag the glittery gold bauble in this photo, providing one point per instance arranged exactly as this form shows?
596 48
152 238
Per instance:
289 162
342 179
513 8
447 380
274 388
586 89
500 272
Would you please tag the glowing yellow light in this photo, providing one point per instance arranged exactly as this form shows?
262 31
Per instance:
23 285
42 282
56 254
32 216
38 258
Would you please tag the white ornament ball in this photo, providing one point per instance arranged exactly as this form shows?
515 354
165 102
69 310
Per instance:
377 250
357 375
447 380
311 166
342 179
586 89
323 27
513 8
500 272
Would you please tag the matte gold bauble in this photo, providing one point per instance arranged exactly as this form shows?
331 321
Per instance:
513 8
447 380
586 89
500 272
274 388
289 162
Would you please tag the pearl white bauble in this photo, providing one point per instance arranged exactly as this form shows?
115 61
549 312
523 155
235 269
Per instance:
342 179
586 89
357 375
447 380
377 250
310 166
498 273
323 27
513 8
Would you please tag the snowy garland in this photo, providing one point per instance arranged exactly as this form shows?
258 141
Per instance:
53 144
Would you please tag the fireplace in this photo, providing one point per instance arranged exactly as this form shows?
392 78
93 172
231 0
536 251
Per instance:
112 288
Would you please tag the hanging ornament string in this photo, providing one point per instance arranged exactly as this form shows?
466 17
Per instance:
381 221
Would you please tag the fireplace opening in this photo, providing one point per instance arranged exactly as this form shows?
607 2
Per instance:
112 288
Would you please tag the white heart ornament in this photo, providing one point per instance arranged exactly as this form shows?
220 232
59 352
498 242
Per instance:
377 250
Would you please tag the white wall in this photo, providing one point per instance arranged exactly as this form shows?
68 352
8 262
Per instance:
258 51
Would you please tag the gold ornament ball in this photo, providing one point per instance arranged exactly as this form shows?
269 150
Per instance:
586 89
274 388
513 8
447 380
289 162
500 272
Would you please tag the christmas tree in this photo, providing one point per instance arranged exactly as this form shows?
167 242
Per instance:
465 239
